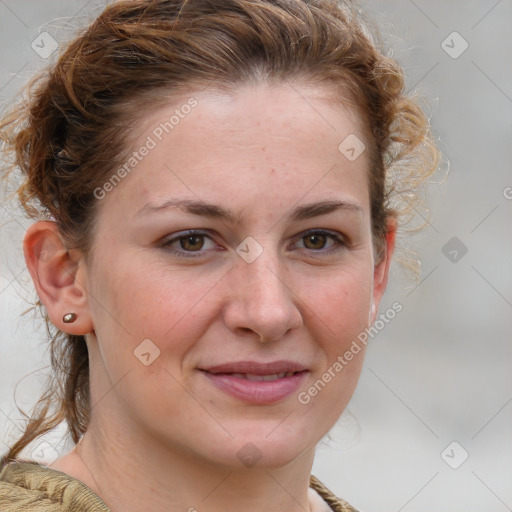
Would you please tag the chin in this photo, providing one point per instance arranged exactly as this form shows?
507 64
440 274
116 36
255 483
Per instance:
254 447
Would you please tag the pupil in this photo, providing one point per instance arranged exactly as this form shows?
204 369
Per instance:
317 239
193 242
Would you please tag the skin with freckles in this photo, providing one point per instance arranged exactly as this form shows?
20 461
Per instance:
267 162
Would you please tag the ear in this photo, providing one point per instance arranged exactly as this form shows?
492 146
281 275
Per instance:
381 270
58 276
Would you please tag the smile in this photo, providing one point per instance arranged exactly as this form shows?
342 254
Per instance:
251 376
257 383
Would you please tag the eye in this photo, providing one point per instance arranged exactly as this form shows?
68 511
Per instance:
322 241
192 242
188 243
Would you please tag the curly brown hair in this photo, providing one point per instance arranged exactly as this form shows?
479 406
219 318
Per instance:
73 130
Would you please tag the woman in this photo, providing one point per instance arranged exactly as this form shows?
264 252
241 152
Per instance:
216 187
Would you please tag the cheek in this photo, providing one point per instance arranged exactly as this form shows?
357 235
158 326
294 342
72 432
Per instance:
137 299
340 309
341 301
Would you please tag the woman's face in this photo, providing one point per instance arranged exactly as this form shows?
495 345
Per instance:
209 344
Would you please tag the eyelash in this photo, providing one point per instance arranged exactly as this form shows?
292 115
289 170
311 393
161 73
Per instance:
339 243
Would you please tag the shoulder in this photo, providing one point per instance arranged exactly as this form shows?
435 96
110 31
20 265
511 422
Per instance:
336 504
28 486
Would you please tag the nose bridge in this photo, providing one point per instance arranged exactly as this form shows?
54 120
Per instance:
265 279
261 300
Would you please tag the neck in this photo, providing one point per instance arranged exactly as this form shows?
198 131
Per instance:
162 480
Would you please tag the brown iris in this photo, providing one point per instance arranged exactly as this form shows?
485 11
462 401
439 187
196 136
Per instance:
192 242
317 241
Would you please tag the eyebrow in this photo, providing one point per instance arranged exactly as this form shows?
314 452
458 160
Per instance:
213 211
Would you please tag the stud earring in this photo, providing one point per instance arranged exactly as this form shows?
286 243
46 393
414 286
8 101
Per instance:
69 318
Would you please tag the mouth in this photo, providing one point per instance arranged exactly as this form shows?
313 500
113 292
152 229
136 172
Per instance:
254 377
257 383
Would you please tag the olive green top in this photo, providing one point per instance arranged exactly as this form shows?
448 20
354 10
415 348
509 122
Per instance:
26 486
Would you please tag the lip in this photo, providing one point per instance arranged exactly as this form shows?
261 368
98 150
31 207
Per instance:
256 368
226 377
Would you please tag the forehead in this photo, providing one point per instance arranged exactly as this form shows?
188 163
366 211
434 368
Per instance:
219 145
256 108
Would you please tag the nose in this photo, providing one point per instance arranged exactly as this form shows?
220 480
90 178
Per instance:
261 304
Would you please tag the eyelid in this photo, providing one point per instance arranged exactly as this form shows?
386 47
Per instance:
339 239
165 242
333 234
339 243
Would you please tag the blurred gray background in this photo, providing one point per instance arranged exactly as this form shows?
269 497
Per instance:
429 427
